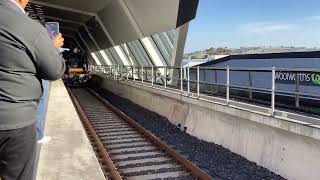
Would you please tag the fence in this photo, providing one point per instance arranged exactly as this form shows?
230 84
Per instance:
267 86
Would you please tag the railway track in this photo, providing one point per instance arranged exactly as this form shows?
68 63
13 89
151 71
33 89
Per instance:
124 148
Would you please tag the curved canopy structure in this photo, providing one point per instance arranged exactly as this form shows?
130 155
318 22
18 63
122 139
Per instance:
123 32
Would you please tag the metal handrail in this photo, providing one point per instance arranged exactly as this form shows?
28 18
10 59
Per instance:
161 74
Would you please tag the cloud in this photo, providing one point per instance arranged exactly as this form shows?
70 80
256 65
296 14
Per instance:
266 28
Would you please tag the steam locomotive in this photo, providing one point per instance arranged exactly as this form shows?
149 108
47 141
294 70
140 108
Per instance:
76 74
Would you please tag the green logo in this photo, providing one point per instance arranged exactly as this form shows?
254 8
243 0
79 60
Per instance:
315 79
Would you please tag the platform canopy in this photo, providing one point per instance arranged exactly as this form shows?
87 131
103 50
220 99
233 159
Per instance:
110 30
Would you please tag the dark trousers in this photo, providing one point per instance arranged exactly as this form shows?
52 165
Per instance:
17 153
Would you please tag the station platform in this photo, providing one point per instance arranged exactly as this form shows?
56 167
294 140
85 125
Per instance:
69 154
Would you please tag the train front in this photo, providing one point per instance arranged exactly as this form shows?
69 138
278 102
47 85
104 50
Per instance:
76 74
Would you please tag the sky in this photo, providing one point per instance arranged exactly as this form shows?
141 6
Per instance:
248 23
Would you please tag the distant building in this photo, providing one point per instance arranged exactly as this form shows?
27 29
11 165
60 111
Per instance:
206 58
279 60
285 80
215 57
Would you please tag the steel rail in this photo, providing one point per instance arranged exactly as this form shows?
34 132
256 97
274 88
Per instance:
164 147
102 152
91 132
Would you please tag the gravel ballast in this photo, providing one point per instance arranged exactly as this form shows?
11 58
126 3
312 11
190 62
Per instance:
215 160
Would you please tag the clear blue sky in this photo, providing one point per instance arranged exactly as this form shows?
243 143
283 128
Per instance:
244 23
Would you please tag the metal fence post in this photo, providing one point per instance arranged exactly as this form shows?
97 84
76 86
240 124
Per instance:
165 77
115 72
118 72
273 95
188 79
133 73
181 79
112 71
250 84
127 69
228 85
120 68
198 83
297 90
152 76
216 81
142 74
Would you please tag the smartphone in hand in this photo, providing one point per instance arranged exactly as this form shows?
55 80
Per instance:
53 29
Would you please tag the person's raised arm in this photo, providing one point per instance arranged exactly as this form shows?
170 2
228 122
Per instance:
58 41
49 62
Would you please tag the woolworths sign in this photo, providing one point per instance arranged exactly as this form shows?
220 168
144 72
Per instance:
304 78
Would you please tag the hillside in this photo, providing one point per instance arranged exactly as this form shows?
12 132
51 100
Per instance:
245 50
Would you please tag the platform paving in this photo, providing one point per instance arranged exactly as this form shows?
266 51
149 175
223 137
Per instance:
69 154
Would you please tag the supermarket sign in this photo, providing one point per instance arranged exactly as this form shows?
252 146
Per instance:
304 78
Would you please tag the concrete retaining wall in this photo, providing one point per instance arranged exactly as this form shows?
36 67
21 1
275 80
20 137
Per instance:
286 148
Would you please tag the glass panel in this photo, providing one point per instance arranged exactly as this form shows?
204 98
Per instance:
110 56
165 46
166 40
129 54
96 59
115 56
102 60
106 57
122 55
171 35
153 51
140 53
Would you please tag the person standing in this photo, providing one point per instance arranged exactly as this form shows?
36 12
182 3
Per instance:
27 55
41 113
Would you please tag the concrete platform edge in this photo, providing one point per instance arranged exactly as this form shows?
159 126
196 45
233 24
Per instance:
69 155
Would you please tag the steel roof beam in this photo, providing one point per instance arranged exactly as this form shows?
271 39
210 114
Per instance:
74 22
78 11
68 28
75 39
85 43
64 8
58 19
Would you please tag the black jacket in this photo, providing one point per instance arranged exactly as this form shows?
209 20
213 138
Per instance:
27 55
